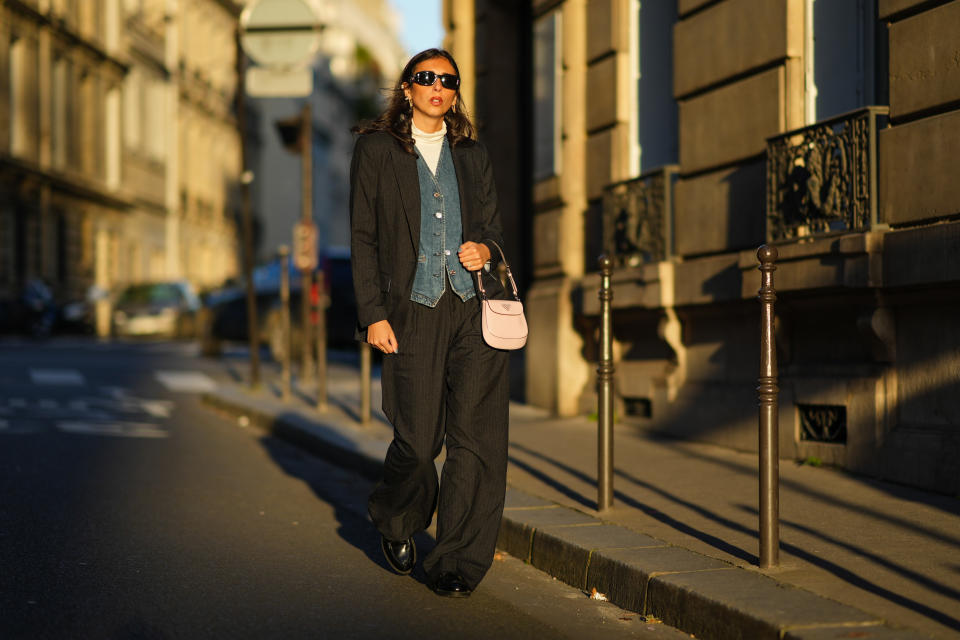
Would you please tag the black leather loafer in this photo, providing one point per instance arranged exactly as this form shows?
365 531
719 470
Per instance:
401 556
451 585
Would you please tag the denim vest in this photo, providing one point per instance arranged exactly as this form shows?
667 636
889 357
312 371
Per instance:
441 234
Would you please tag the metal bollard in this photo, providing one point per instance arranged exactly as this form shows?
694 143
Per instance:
365 358
605 391
321 336
283 252
306 356
769 429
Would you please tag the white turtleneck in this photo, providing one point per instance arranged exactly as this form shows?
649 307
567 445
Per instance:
429 144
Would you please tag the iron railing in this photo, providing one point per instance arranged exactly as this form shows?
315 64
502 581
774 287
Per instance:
638 218
822 179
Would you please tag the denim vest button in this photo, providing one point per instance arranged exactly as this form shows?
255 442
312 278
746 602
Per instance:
438 214
446 252
436 194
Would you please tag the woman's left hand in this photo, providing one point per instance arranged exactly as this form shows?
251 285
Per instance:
473 255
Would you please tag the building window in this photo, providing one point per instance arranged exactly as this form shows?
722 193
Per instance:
59 112
112 137
547 69
111 25
155 127
19 98
841 58
654 125
131 108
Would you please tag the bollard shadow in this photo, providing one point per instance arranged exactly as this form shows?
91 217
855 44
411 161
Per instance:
632 502
346 491
551 482
863 583
944 503
837 570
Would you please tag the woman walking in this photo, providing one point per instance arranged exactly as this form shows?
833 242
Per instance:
424 222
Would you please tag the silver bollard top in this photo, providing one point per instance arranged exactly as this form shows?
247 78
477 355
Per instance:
767 254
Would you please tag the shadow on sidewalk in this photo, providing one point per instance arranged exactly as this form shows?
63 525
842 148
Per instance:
718 543
347 493
946 504
629 501
862 583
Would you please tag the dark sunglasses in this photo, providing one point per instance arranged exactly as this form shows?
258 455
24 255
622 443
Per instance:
427 78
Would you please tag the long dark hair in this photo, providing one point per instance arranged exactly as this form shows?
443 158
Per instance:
398 115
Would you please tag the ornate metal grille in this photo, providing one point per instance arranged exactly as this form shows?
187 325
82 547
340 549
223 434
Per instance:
822 178
823 423
637 217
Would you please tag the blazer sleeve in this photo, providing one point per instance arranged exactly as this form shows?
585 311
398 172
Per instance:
489 210
364 249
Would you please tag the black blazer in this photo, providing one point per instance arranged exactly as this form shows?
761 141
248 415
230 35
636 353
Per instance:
385 222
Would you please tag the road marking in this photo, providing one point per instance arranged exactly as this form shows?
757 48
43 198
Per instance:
189 381
121 429
18 428
17 403
63 377
47 403
157 408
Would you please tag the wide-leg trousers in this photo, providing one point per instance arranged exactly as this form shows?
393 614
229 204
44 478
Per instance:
445 384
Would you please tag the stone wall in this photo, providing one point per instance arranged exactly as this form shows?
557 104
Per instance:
863 327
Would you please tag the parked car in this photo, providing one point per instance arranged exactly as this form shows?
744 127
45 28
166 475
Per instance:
167 309
226 309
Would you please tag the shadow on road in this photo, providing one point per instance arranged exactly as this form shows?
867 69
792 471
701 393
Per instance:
346 491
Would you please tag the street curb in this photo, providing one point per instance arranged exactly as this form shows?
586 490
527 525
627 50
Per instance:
697 594
289 428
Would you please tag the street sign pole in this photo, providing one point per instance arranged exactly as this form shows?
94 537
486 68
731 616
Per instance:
252 323
306 161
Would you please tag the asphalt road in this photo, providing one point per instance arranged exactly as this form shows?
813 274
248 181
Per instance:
128 510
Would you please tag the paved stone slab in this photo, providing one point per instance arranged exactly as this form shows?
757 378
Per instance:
515 538
602 536
536 518
517 499
564 552
562 559
518 525
741 604
854 632
622 574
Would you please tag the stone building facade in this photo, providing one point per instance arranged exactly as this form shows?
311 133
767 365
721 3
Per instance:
677 136
119 153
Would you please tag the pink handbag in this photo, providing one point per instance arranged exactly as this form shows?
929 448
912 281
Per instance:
503 322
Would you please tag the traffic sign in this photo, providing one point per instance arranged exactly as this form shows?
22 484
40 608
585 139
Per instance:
279 32
275 82
305 246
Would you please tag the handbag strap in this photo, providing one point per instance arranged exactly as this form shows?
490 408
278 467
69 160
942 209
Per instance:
513 285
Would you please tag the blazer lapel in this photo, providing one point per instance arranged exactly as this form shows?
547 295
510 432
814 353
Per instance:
408 182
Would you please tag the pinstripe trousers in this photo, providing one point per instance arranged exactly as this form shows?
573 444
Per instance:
445 385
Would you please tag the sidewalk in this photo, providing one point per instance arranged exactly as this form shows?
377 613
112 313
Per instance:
859 558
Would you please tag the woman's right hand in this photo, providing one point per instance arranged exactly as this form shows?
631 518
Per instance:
380 334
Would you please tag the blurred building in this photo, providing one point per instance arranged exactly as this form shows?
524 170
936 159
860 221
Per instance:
119 153
360 54
677 136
